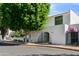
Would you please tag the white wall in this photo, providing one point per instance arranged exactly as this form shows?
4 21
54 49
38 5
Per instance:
74 18
58 32
66 19
50 22
34 36
77 25
66 28
58 35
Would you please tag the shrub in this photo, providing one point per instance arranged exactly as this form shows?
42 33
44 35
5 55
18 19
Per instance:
18 34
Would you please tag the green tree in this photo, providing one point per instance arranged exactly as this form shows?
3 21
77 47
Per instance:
26 16
4 18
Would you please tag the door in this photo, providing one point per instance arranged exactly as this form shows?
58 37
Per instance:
46 37
74 37
68 38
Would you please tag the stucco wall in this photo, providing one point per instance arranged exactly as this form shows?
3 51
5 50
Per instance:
58 32
66 27
76 25
50 22
74 18
66 19
58 35
34 36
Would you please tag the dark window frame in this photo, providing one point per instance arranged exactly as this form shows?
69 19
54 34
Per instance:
58 20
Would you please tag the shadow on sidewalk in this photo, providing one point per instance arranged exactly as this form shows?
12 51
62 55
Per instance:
10 43
52 55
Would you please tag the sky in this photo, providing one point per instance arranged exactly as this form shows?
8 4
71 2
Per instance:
57 8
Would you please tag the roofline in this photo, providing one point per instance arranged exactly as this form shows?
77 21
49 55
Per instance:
60 13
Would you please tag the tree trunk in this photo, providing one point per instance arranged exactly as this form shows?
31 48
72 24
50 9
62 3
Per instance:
27 37
4 32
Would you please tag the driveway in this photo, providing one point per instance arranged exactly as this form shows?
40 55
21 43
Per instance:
34 51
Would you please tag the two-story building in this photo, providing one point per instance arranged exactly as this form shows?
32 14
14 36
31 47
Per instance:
60 29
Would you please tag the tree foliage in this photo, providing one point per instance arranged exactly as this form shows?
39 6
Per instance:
26 16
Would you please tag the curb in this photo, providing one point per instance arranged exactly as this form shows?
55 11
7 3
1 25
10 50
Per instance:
52 46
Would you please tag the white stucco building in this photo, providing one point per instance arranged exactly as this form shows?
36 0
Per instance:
60 29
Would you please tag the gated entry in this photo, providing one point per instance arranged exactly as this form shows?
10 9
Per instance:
44 37
72 35
72 38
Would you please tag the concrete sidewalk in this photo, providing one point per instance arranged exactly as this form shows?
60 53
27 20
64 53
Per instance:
67 47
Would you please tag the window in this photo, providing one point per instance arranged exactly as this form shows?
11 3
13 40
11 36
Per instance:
58 20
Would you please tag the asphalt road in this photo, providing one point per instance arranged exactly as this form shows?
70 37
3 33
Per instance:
34 51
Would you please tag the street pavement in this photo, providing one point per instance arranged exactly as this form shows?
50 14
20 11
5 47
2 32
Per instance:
35 51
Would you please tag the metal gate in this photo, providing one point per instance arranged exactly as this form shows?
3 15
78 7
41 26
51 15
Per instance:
44 37
72 38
